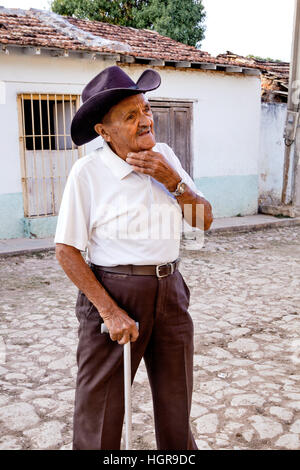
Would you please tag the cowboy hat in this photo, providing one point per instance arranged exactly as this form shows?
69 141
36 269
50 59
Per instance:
104 91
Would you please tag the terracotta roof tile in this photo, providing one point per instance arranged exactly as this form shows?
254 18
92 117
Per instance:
144 43
27 30
46 29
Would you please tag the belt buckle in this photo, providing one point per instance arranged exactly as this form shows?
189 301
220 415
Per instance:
164 275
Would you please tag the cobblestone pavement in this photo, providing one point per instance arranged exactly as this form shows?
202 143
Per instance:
245 302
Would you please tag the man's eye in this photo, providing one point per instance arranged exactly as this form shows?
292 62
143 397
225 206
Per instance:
130 116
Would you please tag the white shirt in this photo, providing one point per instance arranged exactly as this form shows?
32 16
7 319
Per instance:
118 215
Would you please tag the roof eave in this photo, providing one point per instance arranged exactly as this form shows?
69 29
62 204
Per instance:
122 58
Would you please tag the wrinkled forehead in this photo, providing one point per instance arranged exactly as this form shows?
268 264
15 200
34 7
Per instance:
130 103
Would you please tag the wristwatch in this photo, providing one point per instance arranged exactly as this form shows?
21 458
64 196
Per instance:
181 187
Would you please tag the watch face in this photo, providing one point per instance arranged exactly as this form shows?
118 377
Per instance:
182 188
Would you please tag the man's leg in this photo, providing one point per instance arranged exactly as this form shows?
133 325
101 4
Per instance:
99 398
169 362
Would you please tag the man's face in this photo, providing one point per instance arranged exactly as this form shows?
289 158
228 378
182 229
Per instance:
128 126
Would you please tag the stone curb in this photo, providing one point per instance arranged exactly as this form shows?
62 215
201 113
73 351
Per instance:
26 251
289 222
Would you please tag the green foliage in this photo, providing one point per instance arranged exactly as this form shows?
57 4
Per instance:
182 20
107 11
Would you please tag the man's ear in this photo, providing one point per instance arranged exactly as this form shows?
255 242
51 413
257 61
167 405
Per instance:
100 129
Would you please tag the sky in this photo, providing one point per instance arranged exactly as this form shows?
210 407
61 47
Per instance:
259 27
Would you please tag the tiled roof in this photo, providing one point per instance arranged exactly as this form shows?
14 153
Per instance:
44 29
143 42
274 79
23 28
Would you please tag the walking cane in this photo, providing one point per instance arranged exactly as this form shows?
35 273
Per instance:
127 389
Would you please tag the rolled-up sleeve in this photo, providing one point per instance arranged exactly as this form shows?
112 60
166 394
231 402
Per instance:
73 224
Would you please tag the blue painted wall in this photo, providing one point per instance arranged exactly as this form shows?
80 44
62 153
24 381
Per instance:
13 224
11 216
230 195
40 227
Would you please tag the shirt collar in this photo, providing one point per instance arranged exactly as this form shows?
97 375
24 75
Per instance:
116 164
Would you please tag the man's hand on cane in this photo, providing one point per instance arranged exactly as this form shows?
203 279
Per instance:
121 327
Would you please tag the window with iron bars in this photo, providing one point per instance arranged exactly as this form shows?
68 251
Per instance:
46 149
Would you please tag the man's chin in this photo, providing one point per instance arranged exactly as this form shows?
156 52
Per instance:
146 142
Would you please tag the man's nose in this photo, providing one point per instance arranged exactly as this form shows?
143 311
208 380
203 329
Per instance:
144 120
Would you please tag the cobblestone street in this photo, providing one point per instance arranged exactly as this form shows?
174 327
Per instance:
245 303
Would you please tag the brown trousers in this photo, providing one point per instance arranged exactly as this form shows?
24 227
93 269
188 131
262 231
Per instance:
165 342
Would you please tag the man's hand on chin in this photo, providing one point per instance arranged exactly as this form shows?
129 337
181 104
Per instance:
154 164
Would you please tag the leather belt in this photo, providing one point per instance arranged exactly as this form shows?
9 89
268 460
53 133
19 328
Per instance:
159 270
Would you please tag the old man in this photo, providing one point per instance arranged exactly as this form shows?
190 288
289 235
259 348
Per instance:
123 204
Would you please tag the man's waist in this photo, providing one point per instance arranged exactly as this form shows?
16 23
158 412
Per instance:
159 270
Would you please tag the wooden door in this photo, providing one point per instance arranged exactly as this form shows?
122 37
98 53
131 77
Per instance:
172 124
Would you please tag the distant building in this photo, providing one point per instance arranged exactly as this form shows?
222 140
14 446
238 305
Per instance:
274 78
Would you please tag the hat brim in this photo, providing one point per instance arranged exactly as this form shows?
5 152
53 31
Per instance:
92 110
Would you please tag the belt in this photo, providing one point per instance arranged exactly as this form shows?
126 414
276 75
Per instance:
159 270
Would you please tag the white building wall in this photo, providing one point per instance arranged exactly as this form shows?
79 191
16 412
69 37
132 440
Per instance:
225 122
272 148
